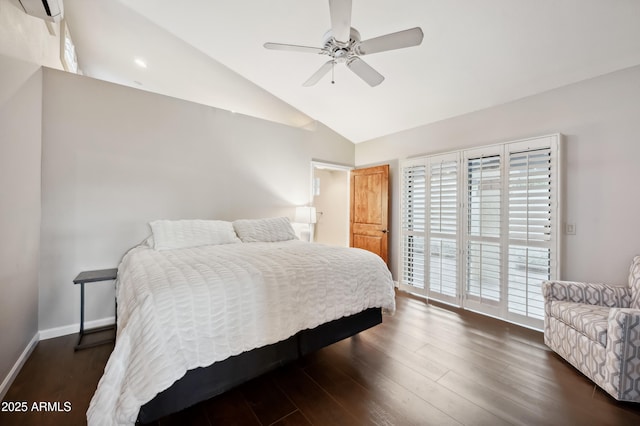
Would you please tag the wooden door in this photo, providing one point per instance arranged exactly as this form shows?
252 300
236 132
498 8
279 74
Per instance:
369 218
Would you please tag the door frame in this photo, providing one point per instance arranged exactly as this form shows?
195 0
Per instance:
326 165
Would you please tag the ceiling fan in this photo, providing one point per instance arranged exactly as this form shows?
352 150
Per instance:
343 45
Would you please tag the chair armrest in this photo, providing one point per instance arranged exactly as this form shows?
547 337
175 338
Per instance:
589 293
622 363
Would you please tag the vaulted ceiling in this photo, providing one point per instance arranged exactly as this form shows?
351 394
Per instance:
475 54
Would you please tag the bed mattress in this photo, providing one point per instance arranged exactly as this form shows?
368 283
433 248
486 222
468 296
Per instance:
187 308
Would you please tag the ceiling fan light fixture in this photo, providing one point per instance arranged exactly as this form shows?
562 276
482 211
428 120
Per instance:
342 44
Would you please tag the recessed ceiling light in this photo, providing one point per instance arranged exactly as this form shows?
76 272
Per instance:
139 62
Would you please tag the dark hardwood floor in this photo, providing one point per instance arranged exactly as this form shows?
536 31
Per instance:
427 365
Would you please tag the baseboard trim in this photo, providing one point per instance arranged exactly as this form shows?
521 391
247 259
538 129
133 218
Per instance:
44 335
52 333
6 383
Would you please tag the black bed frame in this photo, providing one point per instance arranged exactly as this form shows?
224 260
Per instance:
203 383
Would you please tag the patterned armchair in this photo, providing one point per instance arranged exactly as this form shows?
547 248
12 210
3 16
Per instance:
596 328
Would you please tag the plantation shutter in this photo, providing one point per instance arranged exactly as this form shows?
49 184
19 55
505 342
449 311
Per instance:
413 212
443 228
531 187
479 227
484 257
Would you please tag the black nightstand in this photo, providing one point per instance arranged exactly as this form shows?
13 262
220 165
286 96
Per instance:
92 277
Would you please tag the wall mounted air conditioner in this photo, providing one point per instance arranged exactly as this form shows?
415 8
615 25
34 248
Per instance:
49 10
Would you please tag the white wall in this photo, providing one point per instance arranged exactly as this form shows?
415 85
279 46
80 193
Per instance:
332 206
600 119
115 158
201 78
20 132
25 43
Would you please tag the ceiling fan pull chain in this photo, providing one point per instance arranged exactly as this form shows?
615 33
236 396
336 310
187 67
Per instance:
333 66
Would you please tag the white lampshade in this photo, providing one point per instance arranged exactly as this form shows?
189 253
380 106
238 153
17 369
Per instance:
305 215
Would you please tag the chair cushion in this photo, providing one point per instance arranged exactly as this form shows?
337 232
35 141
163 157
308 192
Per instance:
634 282
590 320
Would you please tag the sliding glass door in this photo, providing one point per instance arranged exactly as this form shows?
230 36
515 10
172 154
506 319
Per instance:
413 226
482 239
532 227
443 218
480 227
430 222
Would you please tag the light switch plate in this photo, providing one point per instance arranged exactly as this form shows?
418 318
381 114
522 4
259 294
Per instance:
570 229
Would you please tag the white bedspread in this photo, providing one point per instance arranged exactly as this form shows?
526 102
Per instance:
188 308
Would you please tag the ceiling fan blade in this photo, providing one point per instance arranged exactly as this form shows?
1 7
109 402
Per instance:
325 68
294 48
399 40
365 72
340 11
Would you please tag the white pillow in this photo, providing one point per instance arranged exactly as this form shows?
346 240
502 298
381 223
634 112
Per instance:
264 230
174 234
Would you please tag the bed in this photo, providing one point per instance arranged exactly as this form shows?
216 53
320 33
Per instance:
206 305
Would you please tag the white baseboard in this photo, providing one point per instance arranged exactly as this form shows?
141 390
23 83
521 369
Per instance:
75 328
6 383
44 335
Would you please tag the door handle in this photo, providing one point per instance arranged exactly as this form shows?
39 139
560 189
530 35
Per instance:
384 231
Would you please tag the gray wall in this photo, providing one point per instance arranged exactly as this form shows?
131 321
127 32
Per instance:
20 112
600 119
115 158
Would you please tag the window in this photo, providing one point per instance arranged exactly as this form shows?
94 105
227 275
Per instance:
413 225
487 218
443 228
531 222
484 202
